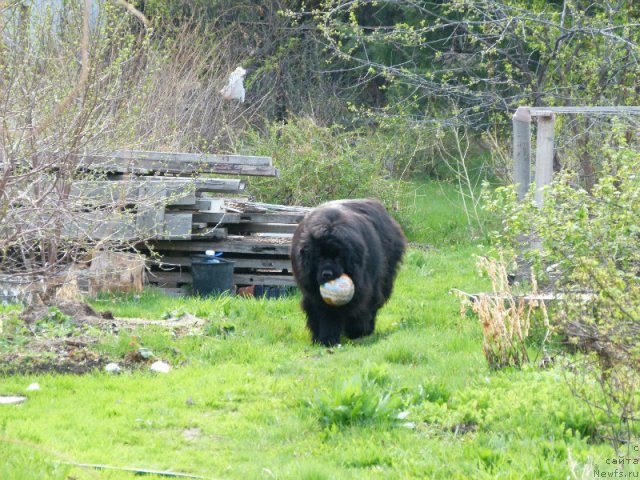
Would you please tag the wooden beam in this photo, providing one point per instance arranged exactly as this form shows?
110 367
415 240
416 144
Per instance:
215 218
200 184
545 138
150 218
211 233
230 246
176 226
187 158
259 279
150 190
240 263
617 110
522 151
169 279
172 279
263 228
130 191
114 226
278 218
210 205
178 164
291 218
262 263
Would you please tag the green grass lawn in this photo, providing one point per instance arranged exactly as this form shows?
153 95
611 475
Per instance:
251 397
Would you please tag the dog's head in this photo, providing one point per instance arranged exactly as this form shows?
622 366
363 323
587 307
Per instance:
328 247
329 265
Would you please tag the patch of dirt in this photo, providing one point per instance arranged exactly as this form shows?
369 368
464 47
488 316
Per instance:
62 337
420 246
191 434
464 428
77 361
54 338
79 313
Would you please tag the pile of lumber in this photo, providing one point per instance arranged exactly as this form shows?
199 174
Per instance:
257 239
175 207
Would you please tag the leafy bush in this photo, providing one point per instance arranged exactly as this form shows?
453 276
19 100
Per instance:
371 398
589 250
359 400
319 164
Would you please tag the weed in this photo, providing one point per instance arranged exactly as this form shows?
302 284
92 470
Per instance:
433 391
505 318
357 401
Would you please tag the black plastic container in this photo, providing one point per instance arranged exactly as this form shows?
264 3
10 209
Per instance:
211 275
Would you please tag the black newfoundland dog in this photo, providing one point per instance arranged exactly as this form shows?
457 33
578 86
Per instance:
353 237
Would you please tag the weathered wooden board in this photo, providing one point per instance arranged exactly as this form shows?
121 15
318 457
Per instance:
174 279
262 228
172 191
210 233
264 279
263 218
115 227
231 246
215 218
169 279
186 158
177 226
210 205
240 263
127 192
131 226
290 218
262 263
150 217
221 185
104 192
178 163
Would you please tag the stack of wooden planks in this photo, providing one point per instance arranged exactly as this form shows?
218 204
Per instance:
176 208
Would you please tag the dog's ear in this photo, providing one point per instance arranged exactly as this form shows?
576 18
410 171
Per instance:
305 253
354 257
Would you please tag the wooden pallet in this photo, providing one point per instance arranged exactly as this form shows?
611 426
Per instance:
260 253
172 206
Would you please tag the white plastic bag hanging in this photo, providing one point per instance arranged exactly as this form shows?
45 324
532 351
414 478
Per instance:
235 88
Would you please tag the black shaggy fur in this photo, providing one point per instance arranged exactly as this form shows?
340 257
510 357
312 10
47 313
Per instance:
356 237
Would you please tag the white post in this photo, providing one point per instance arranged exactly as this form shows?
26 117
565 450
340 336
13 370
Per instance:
544 153
522 150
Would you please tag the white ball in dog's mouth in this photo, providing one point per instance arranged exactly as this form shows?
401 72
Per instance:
338 292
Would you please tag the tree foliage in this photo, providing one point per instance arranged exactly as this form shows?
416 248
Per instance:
487 57
66 85
77 81
285 59
587 246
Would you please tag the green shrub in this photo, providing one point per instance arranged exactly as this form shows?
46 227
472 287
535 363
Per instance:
357 401
320 163
590 252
